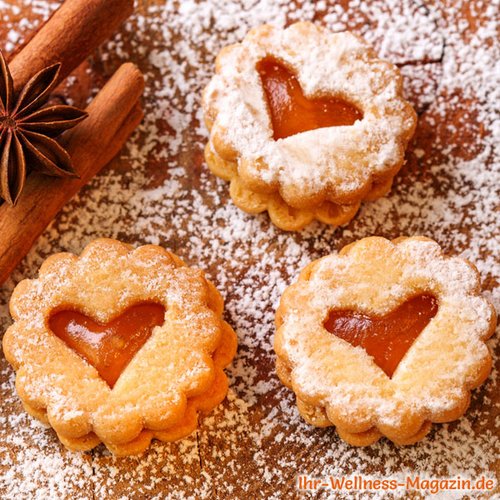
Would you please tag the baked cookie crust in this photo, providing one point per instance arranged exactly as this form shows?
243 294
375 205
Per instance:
176 374
319 174
339 384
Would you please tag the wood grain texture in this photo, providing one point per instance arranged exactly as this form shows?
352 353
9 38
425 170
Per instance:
255 444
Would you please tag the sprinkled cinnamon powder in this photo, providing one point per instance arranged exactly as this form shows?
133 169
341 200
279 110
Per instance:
161 192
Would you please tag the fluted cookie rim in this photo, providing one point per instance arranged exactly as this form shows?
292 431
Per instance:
61 388
240 129
401 413
283 216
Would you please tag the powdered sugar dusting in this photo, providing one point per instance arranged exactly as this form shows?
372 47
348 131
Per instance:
104 281
160 192
374 277
319 161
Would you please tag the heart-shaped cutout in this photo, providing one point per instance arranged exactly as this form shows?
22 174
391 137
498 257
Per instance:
385 338
109 347
291 111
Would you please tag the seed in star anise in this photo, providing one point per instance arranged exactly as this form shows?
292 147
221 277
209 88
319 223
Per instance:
28 129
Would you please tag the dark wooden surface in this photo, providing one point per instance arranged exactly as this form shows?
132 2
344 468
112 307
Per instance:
159 191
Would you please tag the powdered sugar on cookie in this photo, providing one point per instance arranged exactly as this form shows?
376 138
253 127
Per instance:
330 163
374 276
176 371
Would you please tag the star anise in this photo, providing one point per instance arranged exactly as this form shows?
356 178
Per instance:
28 129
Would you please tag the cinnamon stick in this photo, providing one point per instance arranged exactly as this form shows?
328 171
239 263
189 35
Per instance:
113 115
73 32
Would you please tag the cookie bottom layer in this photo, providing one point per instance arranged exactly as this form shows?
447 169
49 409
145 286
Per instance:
316 415
202 403
281 214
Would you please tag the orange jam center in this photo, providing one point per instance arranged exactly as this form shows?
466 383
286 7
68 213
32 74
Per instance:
108 348
385 338
291 112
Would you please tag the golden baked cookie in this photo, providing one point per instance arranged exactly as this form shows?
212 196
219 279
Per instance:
305 124
118 346
384 339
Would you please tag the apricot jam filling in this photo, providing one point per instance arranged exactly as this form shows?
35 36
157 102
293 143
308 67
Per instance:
291 112
109 347
385 338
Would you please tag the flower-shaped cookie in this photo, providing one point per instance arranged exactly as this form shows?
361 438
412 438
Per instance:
119 346
307 120
384 338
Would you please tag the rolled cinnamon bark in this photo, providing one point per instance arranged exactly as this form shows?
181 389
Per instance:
73 32
113 115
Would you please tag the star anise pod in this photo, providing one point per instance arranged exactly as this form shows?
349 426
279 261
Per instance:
28 129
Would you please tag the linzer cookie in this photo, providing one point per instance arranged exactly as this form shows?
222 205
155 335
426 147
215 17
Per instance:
119 346
305 124
384 339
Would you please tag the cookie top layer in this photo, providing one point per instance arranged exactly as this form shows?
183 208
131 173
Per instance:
337 164
374 276
174 364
